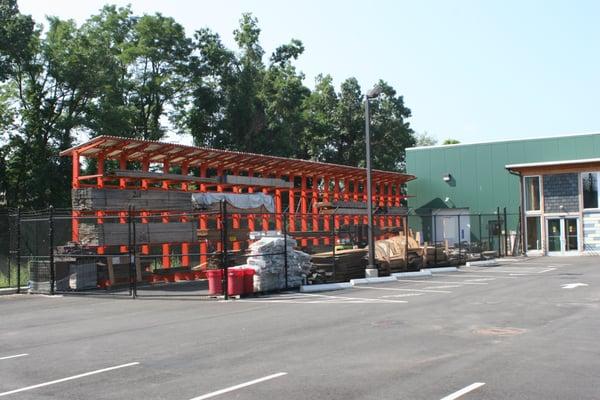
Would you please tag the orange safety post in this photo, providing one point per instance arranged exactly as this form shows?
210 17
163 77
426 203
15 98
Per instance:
185 247
315 212
236 218
203 221
291 205
100 185
75 185
123 186
326 224
145 168
303 208
166 248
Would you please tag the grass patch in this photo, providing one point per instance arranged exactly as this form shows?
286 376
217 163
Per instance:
9 278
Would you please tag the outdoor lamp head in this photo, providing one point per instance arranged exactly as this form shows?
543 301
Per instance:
375 92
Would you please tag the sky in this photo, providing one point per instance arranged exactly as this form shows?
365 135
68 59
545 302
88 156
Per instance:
469 70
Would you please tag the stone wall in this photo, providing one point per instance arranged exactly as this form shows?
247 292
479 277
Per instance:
561 190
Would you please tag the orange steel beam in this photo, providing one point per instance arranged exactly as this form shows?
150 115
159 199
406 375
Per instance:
315 212
326 218
166 248
185 247
250 218
203 221
292 206
75 185
303 208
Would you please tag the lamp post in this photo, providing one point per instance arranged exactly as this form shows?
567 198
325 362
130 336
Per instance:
371 270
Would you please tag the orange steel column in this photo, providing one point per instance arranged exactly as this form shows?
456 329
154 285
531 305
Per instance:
250 217
100 185
166 248
390 202
145 168
292 205
355 198
265 217
382 204
326 224
397 200
185 247
219 189
336 218
346 198
278 208
203 221
315 212
75 185
364 199
303 209
123 186
236 218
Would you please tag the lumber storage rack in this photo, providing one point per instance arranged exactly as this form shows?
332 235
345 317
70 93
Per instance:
157 178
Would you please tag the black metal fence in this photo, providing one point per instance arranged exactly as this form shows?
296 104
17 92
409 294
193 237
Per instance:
129 253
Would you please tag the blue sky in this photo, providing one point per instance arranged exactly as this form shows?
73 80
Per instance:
469 70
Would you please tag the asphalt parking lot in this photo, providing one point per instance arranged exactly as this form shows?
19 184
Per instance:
527 329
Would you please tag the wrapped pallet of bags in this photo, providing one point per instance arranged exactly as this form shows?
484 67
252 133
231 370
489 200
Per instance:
267 258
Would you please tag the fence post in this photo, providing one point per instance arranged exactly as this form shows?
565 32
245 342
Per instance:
134 260
51 245
224 240
480 239
499 227
332 225
18 250
434 239
506 237
129 254
285 255
521 232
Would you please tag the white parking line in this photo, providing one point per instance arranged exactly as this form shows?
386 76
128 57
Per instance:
402 289
442 282
15 356
463 391
467 274
354 298
98 371
240 386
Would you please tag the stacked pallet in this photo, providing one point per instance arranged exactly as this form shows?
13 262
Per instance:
154 232
92 199
340 266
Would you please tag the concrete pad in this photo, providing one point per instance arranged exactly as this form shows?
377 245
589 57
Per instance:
325 287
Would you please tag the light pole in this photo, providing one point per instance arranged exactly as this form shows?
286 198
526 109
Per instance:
371 270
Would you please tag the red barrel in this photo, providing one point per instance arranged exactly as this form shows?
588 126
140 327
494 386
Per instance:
248 280
215 285
235 284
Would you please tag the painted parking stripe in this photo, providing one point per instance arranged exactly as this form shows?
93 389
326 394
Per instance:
463 391
402 289
470 274
441 282
240 386
354 298
15 356
69 378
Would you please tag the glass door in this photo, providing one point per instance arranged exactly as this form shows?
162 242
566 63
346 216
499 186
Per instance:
554 233
562 235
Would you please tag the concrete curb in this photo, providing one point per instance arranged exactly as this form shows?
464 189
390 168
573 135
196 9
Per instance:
484 263
325 287
13 290
415 274
444 269
381 279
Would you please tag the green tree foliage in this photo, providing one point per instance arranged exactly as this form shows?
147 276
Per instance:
425 139
451 141
138 76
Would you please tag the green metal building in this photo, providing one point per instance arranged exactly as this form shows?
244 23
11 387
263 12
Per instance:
472 179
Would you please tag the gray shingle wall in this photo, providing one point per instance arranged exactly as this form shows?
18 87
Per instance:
561 190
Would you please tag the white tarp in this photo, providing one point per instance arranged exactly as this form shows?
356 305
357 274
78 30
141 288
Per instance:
242 201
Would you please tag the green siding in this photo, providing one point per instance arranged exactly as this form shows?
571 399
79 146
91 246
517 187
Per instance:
480 181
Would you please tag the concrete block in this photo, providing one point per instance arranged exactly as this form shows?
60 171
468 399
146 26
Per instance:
415 274
325 287
483 263
440 270
381 279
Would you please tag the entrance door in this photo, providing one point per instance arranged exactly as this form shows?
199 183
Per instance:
562 235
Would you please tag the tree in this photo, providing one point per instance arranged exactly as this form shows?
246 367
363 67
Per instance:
425 139
450 141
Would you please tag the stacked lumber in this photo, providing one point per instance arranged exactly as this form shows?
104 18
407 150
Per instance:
398 255
340 266
150 233
93 199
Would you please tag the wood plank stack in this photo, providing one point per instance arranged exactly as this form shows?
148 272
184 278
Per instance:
349 264
93 199
111 234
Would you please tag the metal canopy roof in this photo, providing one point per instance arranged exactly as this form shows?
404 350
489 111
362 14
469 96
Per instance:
114 147
553 163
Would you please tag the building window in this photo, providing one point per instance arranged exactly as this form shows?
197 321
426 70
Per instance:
589 181
534 233
532 193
